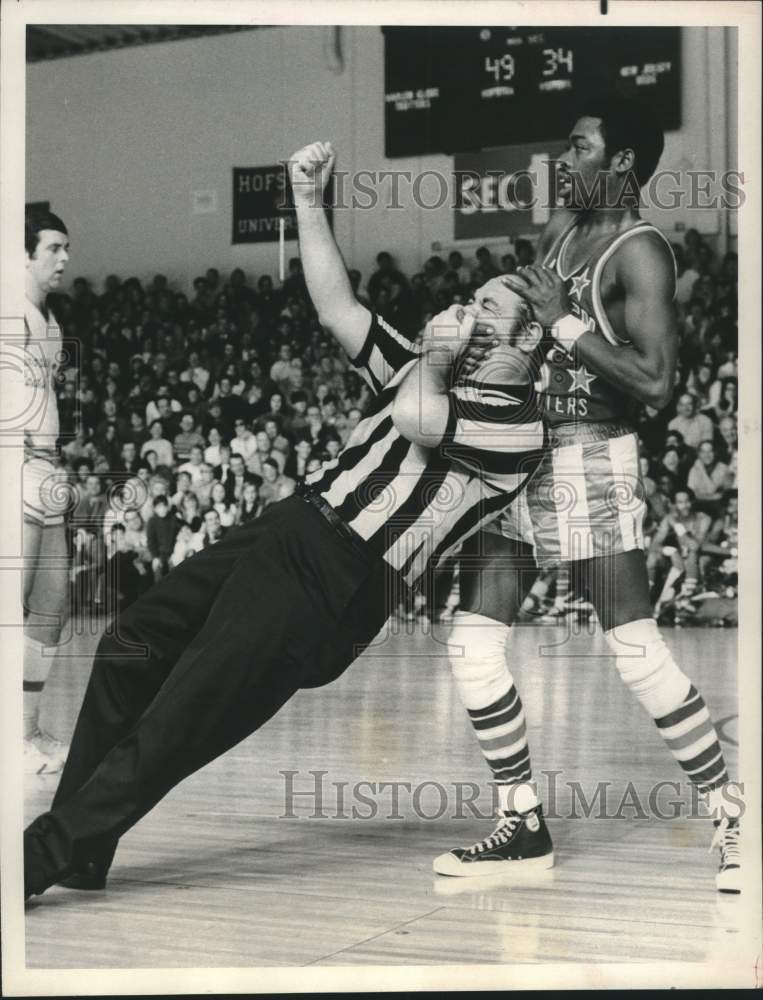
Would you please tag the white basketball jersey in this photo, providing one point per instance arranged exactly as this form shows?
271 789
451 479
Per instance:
43 353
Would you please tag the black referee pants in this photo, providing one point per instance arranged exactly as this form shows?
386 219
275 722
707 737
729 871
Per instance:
200 661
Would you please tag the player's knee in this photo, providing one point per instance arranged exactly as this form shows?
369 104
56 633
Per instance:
646 665
477 654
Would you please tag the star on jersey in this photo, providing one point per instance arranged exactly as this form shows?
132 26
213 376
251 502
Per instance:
579 284
581 379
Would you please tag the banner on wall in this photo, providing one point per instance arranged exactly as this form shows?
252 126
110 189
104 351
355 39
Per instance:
262 196
503 192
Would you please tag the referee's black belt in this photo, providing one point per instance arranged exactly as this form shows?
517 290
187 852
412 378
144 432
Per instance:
327 511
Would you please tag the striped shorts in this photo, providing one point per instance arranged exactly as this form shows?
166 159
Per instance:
586 498
44 501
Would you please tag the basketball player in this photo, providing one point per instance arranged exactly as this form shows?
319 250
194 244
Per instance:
290 599
604 293
46 578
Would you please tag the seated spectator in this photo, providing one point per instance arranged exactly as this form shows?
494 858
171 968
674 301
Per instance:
719 551
157 486
75 449
332 447
187 543
726 443
700 383
188 511
193 465
457 265
695 427
273 481
296 464
250 506
670 462
264 452
315 431
90 507
283 370
111 418
125 577
151 463
660 499
203 488
676 546
244 443
729 364
183 486
298 418
222 472
219 502
708 479
108 447
166 410
279 442
231 405
161 531
385 270
187 438
525 252
128 460
212 451
486 264
234 482
212 530
135 537
686 456
508 263
725 400
196 373
159 445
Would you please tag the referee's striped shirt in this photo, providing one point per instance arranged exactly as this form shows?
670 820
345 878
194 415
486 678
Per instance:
413 505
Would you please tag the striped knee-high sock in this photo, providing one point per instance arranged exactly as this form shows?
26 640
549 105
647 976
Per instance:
690 736
502 734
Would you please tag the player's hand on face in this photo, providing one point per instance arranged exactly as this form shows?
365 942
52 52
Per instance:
483 340
450 330
310 169
542 289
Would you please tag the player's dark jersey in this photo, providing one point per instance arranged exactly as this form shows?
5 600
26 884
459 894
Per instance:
569 392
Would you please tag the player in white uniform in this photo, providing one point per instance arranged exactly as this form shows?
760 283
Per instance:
45 554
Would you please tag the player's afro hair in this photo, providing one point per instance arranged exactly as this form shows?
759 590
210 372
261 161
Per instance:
629 124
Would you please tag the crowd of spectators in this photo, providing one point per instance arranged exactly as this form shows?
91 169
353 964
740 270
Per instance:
185 414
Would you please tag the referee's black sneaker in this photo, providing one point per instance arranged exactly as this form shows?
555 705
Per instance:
90 878
520 842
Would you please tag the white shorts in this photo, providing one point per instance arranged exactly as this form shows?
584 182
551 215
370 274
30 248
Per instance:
46 493
585 500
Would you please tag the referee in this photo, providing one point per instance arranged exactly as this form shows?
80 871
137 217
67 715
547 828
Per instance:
289 600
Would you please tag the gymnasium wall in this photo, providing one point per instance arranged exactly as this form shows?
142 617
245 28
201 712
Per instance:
119 141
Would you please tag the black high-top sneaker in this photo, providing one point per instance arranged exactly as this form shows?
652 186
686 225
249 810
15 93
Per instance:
90 878
729 877
520 842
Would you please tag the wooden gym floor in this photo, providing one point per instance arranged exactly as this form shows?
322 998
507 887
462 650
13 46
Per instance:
219 875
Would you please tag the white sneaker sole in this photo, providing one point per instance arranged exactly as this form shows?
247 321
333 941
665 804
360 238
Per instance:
730 882
447 864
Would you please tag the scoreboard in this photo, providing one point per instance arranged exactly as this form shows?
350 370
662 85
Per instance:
451 89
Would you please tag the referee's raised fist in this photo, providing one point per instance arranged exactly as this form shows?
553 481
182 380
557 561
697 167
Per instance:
311 167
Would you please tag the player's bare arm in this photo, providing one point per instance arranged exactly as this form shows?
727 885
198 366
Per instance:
339 312
643 368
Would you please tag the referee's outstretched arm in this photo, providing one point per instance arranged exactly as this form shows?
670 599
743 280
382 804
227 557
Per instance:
339 311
